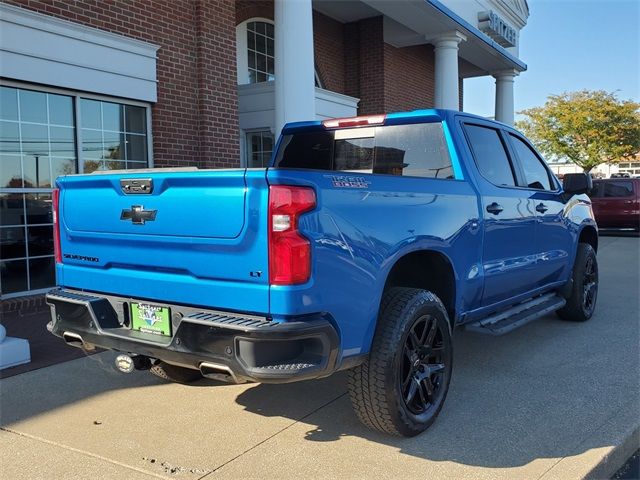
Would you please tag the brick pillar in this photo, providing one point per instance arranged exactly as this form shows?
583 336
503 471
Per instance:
352 59
371 66
218 128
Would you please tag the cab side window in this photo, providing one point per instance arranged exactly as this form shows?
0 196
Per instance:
618 188
535 173
490 155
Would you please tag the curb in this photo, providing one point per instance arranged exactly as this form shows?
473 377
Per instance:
604 450
615 459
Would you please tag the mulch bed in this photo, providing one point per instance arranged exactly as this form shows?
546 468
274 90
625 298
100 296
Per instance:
46 349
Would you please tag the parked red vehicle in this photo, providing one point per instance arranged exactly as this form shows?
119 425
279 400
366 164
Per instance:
616 202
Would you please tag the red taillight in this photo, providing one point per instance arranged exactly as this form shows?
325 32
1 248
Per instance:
289 252
55 197
363 121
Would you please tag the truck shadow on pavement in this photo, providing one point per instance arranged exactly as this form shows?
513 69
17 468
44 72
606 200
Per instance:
551 389
539 392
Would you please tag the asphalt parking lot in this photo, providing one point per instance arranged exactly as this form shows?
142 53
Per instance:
550 400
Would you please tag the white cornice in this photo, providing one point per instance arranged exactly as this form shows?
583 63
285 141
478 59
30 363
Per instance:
39 48
50 24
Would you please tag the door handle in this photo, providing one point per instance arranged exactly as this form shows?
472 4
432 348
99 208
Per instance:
541 207
494 208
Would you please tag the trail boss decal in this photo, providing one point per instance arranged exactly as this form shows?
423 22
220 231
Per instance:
344 181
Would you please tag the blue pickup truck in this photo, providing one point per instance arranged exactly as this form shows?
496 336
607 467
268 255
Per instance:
362 247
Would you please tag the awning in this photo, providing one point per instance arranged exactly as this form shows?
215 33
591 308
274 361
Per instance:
416 22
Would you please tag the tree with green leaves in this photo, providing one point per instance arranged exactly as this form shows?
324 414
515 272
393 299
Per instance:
586 127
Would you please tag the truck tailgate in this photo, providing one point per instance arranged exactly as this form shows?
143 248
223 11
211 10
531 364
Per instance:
198 238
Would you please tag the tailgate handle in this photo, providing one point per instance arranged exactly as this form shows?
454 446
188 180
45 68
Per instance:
130 186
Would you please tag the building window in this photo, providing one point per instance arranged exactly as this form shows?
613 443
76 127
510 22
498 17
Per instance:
37 131
37 135
260 51
114 136
259 148
38 142
255 52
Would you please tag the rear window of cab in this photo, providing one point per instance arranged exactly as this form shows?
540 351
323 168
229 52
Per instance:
414 150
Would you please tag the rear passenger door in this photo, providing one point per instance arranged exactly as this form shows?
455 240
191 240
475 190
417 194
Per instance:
616 204
553 238
509 217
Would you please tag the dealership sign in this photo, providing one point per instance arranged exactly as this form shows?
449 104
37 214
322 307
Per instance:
494 26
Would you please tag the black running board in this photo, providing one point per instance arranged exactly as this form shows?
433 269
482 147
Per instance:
518 315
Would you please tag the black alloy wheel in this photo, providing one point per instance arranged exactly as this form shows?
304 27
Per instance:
581 302
401 387
423 366
590 285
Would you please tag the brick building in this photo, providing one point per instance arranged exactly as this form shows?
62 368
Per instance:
123 84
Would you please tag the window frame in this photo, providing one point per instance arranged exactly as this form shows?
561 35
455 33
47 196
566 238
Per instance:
499 131
242 61
246 161
452 153
242 48
602 185
521 180
77 97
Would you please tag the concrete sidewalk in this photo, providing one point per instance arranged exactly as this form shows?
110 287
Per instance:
551 400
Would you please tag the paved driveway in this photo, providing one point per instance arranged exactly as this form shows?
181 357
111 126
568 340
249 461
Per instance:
549 400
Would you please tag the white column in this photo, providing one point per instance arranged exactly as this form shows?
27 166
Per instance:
447 92
294 65
504 96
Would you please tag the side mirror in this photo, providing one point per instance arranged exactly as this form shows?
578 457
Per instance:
577 183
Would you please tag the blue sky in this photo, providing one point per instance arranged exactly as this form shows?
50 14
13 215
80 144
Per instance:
570 45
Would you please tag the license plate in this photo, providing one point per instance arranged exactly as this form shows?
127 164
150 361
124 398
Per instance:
151 319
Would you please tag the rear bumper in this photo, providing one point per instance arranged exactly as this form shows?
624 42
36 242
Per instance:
249 348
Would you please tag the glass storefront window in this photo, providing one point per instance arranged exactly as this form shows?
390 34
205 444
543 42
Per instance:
37 135
39 141
26 241
114 136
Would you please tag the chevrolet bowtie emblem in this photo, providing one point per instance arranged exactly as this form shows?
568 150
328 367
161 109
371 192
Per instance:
138 215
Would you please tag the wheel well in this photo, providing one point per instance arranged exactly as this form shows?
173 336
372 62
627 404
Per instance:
427 270
590 236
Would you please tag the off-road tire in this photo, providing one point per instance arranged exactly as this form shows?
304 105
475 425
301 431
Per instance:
173 373
578 308
375 386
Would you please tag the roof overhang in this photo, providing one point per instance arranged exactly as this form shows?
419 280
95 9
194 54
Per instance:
416 22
